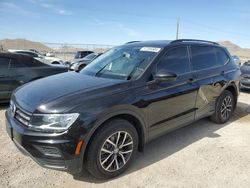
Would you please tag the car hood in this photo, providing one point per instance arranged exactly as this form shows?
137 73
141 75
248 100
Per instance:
34 95
245 69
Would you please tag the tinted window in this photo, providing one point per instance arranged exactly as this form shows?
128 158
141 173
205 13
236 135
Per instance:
28 53
176 61
203 57
4 62
222 57
16 64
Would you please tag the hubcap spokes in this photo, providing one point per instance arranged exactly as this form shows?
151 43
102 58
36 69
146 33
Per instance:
226 107
116 151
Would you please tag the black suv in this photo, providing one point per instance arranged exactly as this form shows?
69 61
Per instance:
98 118
18 69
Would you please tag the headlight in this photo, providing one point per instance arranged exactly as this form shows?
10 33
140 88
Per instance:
52 122
73 66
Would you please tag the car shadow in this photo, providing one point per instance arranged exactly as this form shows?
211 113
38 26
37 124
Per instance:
173 142
4 106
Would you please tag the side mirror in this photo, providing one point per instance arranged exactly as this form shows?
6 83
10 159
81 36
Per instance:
165 76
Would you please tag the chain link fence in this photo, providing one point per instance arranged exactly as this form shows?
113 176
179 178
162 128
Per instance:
64 51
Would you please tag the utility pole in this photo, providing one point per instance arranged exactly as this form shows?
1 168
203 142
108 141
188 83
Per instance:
177 29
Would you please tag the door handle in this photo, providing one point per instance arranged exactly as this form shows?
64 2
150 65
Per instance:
222 73
3 76
191 80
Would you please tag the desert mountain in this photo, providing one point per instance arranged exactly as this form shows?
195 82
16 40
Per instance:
23 44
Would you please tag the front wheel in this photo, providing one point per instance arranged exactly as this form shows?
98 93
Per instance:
224 107
112 149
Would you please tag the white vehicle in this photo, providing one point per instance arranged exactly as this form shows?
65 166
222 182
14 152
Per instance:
36 55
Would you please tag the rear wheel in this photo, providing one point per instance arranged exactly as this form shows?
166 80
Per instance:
224 107
112 149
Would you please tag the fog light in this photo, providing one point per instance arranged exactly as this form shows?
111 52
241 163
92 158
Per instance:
49 151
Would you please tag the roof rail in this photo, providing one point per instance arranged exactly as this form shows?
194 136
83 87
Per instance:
193 40
132 42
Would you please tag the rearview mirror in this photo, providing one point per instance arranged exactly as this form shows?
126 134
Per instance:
164 76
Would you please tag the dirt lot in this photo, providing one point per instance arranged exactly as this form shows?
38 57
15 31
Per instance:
200 155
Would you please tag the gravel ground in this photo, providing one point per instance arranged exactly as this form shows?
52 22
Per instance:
203 154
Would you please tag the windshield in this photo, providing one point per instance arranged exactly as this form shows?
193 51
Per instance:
90 56
247 63
121 62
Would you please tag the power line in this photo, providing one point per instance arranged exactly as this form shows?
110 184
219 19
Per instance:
177 29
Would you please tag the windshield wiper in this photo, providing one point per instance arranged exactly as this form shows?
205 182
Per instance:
97 73
132 72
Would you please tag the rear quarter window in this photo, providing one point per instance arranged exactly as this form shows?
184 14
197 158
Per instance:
222 57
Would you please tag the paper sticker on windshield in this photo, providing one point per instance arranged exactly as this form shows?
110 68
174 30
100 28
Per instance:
150 49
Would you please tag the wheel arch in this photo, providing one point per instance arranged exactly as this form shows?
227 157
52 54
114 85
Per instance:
128 115
233 89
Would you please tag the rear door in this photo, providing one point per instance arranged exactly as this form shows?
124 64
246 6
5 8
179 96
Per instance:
208 69
5 81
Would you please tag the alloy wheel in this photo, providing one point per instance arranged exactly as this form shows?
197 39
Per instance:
116 151
226 107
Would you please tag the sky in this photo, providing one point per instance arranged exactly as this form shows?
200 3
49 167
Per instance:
115 22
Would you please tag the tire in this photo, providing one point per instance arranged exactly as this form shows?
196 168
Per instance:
223 108
55 63
81 67
99 161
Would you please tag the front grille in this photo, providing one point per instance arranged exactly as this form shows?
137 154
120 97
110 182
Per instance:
245 84
246 76
19 114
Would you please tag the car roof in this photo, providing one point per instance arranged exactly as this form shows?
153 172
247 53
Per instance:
84 51
164 43
11 50
153 43
16 55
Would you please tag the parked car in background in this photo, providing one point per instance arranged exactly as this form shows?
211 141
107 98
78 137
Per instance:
236 60
82 54
99 118
38 56
78 64
18 69
245 75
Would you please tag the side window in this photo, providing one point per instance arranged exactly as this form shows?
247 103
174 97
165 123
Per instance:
222 57
4 62
203 57
32 54
176 60
16 64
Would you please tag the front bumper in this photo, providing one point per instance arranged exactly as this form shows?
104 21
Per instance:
55 151
245 84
